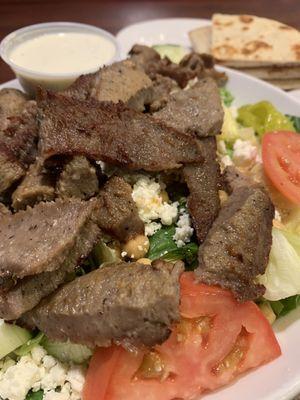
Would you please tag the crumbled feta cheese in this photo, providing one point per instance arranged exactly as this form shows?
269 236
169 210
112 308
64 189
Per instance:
147 194
38 370
53 395
244 152
183 231
152 228
226 161
277 216
18 379
76 378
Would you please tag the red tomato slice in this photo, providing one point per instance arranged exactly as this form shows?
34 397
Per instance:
216 340
281 161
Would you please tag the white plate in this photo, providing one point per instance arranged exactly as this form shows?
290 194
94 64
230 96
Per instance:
279 380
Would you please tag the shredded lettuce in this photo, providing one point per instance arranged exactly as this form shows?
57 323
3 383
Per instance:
283 307
162 245
27 347
296 122
264 117
230 129
282 276
226 96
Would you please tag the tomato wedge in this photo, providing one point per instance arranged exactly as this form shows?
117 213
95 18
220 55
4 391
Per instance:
216 340
281 161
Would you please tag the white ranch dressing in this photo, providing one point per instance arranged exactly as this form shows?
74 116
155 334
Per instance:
63 53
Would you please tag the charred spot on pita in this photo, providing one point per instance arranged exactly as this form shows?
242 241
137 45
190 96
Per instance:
254 45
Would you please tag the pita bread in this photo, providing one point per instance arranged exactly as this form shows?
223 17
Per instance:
273 72
285 84
243 40
201 39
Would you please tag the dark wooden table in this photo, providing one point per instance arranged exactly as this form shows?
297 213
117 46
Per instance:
115 14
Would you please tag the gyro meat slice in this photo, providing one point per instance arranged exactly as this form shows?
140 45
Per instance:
119 214
111 133
132 302
238 244
203 181
40 247
42 238
197 109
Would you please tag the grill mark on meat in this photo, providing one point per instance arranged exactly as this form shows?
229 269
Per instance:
237 247
131 302
41 239
118 212
78 179
38 185
198 109
23 295
111 133
203 182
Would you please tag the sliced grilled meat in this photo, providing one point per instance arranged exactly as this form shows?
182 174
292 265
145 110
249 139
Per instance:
78 179
41 238
4 210
37 185
131 302
237 247
162 87
198 109
18 146
40 247
12 102
111 133
119 215
193 65
122 81
203 66
203 181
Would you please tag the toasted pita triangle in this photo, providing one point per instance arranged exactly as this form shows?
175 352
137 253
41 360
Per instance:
201 39
243 40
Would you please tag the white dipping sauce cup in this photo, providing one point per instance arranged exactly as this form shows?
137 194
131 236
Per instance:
29 78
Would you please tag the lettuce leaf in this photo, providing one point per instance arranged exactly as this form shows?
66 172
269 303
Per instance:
27 347
226 97
264 117
282 276
283 307
35 395
162 245
296 122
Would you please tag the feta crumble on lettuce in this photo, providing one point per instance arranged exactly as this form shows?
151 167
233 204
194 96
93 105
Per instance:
39 371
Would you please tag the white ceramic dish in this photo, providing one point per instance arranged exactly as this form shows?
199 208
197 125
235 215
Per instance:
30 77
279 380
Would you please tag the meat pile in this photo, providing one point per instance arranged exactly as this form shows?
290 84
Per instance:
142 114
